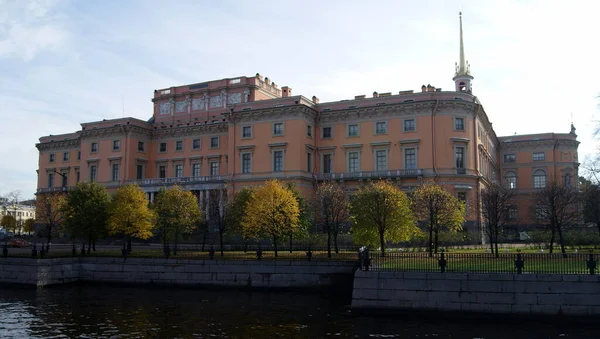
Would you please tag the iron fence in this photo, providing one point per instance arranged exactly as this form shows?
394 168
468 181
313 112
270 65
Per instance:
520 263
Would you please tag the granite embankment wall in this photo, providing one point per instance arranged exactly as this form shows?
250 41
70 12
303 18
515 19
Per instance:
530 294
225 273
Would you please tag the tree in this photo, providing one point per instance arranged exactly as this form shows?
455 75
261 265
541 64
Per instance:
129 214
29 226
274 212
177 213
219 211
86 212
591 204
380 213
9 223
304 216
495 203
236 210
50 212
332 210
440 210
558 207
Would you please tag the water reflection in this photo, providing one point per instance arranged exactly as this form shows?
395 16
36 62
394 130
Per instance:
142 312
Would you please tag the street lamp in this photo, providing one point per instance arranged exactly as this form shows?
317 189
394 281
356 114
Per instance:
64 182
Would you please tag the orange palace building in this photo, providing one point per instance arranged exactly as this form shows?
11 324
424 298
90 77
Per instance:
215 137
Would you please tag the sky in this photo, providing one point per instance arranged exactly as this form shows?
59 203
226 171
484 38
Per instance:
64 62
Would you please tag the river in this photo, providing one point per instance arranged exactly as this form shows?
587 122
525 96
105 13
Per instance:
96 311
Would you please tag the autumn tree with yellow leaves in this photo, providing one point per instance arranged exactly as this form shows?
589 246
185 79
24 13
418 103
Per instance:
29 226
177 213
380 213
440 210
129 214
273 211
49 212
332 210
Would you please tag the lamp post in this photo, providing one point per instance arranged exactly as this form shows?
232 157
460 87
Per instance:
64 182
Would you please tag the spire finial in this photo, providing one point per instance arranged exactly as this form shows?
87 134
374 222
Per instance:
463 66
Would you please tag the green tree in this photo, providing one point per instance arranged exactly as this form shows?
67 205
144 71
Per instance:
304 216
9 223
29 226
177 213
86 212
274 212
50 212
236 210
440 210
129 214
332 210
380 213
496 201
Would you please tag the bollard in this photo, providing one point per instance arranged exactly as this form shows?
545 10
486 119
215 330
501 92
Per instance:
309 254
259 254
591 263
442 262
519 263
124 251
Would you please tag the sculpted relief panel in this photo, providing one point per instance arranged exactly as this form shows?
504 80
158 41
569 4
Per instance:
165 108
181 106
235 98
216 101
198 104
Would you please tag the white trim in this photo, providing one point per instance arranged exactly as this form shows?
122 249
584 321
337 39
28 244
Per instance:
242 132
358 167
375 127
282 129
242 162
357 130
404 125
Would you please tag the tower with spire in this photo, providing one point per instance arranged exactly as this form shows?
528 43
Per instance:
462 77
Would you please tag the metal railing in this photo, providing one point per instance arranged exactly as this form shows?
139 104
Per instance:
180 180
399 173
519 263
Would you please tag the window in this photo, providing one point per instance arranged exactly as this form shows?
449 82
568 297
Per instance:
178 171
139 172
66 156
51 159
510 179
327 163
309 162
214 142
540 212
115 172
94 147
381 127
353 130
214 168
277 161
539 179
409 125
381 160
539 156
162 147
510 158
512 213
162 171
247 132
567 180
462 197
459 157
78 155
309 131
77 176
116 145
353 162
196 170
50 180
459 124
326 132
246 163
410 158
196 144
93 173
179 145
278 128
65 179
140 146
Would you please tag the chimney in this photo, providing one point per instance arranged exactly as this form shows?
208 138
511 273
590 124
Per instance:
375 95
286 92
315 99
423 88
429 88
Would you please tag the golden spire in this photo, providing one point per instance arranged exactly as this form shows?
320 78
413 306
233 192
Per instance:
463 67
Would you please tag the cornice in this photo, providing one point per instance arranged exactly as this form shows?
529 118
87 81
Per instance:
58 145
267 114
175 132
119 130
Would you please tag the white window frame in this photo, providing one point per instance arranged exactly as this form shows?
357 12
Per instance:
181 143
282 160
251 132
177 167
465 148
357 130
535 175
387 159
282 129
358 160
92 147
112 171
404 125
117 143
218 142
330 132
508 156
199 173
385 125
199 144
464 124
249 154
416 149
508 183
136 171
322 161
66 156
533 156
160 145
210 167
309 131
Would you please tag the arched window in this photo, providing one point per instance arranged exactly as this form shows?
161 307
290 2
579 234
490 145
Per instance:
539 179
567 180
510 179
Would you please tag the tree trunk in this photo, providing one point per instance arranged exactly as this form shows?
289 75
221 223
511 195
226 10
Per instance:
382 243
436 240
328 242
89 249
291 242
552 240
430 241
176 243
275 245
221 241
129 246
560 239
496 243
335 240
491 235
49 238
94 244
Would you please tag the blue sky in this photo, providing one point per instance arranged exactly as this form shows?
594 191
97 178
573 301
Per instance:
65 62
